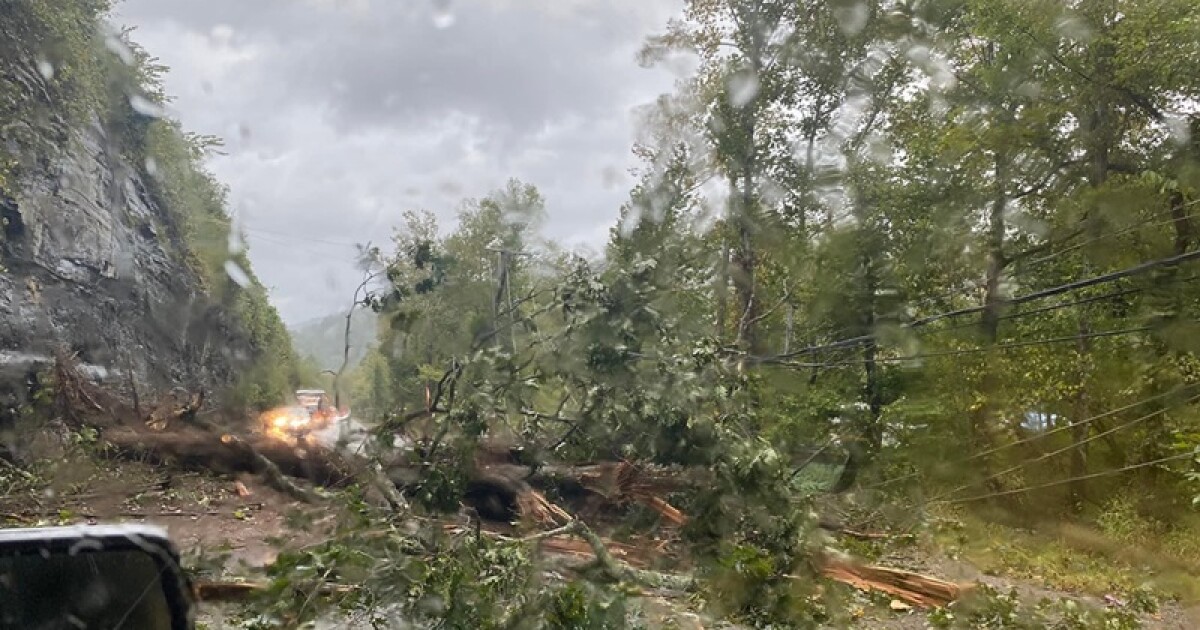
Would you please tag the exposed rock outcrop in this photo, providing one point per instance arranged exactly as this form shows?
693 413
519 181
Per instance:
93 264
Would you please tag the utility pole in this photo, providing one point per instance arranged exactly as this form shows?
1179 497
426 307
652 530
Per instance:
504 259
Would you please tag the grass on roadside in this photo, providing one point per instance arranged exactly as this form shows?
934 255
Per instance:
1130 561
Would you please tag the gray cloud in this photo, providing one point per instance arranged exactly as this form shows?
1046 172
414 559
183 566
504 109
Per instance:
340 114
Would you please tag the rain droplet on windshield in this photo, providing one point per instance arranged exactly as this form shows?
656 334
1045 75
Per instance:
1073 27
610 176
1029 89
151 167
237 274
450 188
743 87
112 41
852 17
145 106
918 54
46 69
236 244
443 17
1177 126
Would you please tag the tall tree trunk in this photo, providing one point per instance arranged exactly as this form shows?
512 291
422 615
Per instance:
1080 430
1101 141
744 263
502 295
872 395
745 258
789 323
1182 224
872 388
993 306
721 291
745 193
993 302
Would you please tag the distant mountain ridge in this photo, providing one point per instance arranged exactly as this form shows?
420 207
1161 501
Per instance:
323 338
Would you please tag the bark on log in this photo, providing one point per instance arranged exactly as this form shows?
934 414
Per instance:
233 454
614 482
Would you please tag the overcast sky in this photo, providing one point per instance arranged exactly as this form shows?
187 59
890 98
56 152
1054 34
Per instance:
340 114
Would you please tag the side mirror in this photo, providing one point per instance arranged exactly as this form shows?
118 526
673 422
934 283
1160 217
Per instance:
100 577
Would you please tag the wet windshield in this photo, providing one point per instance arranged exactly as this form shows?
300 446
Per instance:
612 313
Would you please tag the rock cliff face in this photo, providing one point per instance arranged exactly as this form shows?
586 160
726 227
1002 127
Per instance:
90 265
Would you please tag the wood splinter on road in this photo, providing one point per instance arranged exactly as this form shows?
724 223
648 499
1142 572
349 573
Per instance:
918 590
221 591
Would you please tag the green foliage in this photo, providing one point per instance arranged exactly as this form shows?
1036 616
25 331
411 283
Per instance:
1121 521
441 488
577 606
456 581
750 585
990 608
194 200
59 39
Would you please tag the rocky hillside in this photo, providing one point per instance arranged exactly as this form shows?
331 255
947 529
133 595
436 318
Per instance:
115 239
89 267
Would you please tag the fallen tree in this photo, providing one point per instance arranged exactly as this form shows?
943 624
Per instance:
227 453
174 434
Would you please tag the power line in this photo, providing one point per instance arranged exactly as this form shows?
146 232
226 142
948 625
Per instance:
1030 297
1006 317
1129 230
1043 435
1061 305
967 351
1066 449
1047 309
1105 473
1171 261
1031 263
268 234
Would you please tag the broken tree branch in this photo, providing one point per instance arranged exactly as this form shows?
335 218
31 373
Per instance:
621 571
360 298
222 590
916 589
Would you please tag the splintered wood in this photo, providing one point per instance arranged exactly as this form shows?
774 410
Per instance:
913 588
666 510
626 481
176 406
570 546
567 544
75 394
534 506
